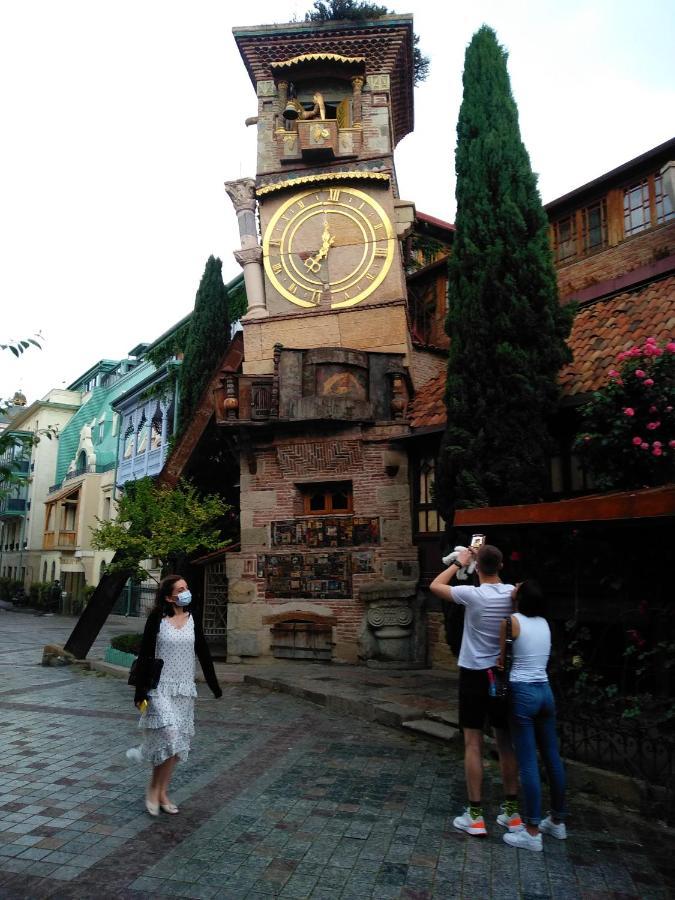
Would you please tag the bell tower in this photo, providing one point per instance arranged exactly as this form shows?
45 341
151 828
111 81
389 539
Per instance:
333 101
326 567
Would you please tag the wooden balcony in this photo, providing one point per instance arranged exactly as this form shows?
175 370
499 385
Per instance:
59 540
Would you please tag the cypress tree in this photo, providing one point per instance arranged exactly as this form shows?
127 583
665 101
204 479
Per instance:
207 339
507 330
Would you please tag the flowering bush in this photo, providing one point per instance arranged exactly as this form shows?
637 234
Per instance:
628 436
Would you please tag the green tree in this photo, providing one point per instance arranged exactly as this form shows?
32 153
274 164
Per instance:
207 339
358 10
507 330
156 521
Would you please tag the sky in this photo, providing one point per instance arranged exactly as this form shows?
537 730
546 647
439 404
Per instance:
121 121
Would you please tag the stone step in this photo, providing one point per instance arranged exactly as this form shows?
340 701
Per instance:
432 729
448 717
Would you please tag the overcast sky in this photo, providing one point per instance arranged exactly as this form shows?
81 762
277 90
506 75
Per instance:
121 121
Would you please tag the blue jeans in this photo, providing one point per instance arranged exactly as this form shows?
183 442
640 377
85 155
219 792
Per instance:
532 718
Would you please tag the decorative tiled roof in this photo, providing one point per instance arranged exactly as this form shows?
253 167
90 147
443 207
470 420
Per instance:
427 409
322 176
600 332
603 329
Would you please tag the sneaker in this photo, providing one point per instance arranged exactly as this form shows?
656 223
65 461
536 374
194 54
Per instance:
466 822
134 755
524 840
511 822
555 829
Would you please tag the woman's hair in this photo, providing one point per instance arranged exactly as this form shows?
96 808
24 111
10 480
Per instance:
164 590
530 599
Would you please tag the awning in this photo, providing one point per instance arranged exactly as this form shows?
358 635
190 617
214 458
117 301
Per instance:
642 504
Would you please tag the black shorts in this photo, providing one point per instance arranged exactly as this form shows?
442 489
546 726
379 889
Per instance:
475 703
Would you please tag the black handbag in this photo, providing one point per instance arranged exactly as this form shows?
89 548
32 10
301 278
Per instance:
145 672
502 680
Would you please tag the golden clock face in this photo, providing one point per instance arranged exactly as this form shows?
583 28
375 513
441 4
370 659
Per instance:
331 244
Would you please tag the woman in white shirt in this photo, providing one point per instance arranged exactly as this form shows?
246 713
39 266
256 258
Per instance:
532 718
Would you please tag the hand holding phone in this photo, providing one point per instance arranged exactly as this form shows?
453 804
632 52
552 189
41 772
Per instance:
477 540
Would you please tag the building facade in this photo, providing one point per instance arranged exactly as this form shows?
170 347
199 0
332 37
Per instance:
38 428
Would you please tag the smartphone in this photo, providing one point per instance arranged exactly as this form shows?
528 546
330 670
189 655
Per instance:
477 540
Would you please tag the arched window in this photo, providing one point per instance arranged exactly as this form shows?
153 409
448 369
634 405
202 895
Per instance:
142 439
81 465
44 571
156 430
101 570
53 571
129 440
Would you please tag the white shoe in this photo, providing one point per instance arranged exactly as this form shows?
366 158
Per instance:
524 840
467 823
134 755
555 829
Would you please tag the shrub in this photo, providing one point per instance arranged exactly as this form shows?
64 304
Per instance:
38 594
127 643
628 436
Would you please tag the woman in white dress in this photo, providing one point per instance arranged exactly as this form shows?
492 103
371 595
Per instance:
174 635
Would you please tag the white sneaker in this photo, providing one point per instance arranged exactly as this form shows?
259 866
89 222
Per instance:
466 822
134 755
524 840
555 829
512 822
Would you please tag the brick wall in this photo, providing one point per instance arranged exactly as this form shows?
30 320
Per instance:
424 366
630 254
440 655
273 493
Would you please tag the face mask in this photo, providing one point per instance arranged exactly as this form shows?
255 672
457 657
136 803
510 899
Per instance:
184 598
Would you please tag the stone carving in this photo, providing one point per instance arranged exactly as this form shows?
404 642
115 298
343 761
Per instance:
248 256
241 193
393 632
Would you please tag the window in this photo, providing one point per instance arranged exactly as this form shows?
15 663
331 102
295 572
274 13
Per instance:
664 207
156 430
565 238
142 441
428 518
594 226
324 499
636 211
129 441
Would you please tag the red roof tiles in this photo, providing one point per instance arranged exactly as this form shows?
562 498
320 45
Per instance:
601 330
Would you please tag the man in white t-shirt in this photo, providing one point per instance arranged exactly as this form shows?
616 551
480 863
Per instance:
485 608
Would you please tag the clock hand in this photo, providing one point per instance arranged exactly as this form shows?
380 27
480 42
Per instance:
313 263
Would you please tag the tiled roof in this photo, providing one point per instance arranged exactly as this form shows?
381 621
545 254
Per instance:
600 332
603 329
427 409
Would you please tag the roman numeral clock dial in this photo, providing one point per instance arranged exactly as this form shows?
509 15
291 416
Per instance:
334 244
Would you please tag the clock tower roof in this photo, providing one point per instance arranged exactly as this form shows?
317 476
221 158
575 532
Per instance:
385 43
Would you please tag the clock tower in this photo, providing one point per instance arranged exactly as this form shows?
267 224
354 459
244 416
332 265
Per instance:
326 567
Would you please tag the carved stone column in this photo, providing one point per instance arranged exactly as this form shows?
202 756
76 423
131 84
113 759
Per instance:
249 257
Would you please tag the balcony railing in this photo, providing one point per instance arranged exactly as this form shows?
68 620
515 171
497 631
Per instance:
54 540
12 504
79 473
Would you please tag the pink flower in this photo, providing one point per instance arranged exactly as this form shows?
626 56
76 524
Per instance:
670 347
657 351
652 426
657 451
635 351
623 355
652 409
629 411
644 446
613 373
671 444
637 441
648 382
639 373
651 340
657 444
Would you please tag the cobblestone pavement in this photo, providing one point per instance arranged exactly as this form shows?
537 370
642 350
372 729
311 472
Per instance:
278 798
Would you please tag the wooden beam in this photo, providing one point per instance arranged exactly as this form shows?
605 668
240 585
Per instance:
643 504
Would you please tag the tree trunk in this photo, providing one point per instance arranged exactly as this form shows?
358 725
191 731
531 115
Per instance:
95 613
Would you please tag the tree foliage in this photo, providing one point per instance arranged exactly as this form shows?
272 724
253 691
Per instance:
359 10
207 339
155 521
628 426
507 330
